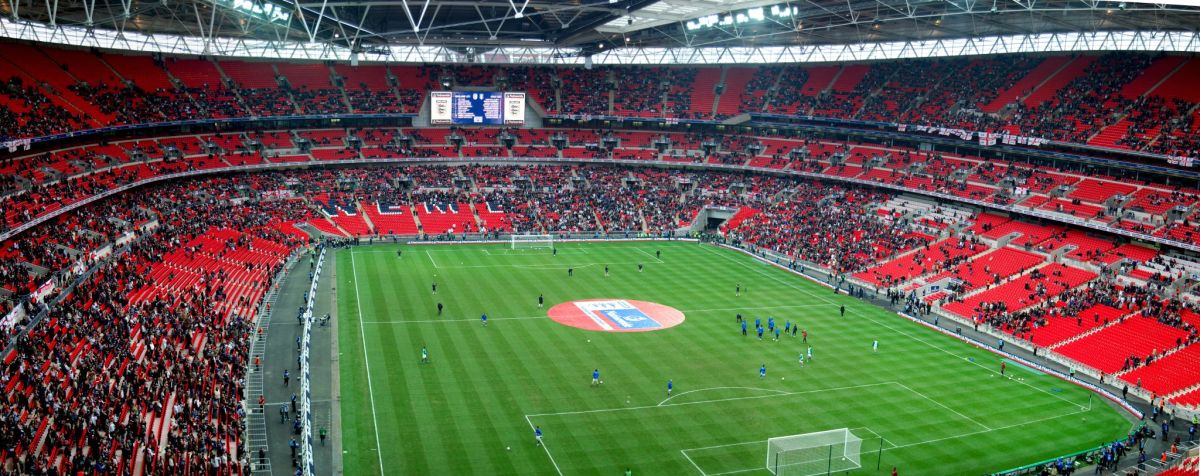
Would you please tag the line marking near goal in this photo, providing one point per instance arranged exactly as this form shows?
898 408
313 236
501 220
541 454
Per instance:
366 360
544 447
720 388
431 260
689 458
869 318
940 404
644 407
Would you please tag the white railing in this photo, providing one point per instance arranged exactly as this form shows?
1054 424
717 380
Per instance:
306 443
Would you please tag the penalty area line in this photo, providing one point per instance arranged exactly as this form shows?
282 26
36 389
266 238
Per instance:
544 447
720 388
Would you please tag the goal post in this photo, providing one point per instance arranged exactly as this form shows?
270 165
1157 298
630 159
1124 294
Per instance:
810 454
532 242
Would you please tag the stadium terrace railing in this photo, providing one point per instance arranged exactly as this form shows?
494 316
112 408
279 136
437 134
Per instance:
254 434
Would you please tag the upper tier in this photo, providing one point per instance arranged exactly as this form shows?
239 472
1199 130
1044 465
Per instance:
1122 102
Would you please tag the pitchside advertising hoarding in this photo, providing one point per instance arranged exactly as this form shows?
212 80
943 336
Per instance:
476 108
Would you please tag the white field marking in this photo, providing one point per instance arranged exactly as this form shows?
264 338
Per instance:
485 251
644 407
544 447
898 331
718 388
366 359
1006 427
431 260
795 306
529 266
689 458
438 321
940 404
526 318
647 253
873 432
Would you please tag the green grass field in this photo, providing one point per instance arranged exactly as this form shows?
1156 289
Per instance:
936 405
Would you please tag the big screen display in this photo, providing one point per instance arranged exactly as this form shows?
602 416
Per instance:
476 108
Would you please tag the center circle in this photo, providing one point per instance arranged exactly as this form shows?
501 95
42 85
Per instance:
616 315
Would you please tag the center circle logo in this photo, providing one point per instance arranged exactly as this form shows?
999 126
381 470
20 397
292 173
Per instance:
616 315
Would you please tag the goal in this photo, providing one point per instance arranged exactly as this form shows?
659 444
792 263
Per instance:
810 454
532 242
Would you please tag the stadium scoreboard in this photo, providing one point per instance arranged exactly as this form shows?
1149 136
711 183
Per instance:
476 108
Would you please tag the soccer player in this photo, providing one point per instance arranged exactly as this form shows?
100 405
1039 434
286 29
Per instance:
596 377
804 333
399 253
842 309
541 300
658 255
537 435
435 287
762 371
760 332
285 377
553 251
787 326
606 270
802 358
439 309
424 355
810 353
484 319
737 291
795 329
743 328
770 323
670 386
875 346
739 318
639 267
1003 365
570 272
777 333
757 322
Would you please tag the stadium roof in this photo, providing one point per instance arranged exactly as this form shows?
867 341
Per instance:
609 31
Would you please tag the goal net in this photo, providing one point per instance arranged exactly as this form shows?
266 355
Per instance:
532 242
811 454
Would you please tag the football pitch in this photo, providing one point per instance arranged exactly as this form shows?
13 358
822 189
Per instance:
924 403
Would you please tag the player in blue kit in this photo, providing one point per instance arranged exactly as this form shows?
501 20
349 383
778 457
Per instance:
743 328
596 377
537 435
762 371
484 319
670 386
760 333
771 324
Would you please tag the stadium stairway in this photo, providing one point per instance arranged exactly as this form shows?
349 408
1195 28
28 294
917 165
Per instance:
1109 317
1042 72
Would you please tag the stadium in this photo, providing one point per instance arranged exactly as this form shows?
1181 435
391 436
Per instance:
590 237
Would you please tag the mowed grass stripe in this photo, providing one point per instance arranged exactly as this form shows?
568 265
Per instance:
496 376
